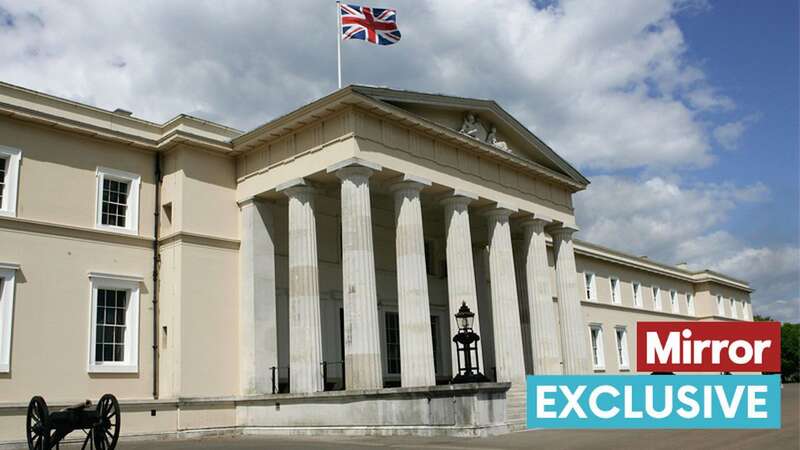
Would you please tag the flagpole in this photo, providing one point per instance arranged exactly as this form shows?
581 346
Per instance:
339 43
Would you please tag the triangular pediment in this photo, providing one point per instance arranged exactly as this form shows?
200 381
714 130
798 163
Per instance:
482 120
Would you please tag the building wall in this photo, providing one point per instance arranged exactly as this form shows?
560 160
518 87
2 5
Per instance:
199 275
209 320
709 291
305 151
604 271
57 179
610 316
208 194
54 241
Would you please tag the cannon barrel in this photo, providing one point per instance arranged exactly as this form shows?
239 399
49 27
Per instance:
79 406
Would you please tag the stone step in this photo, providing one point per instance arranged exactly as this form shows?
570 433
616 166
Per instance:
516 406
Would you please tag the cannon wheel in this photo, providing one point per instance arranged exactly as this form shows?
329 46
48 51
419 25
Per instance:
37 424
105 434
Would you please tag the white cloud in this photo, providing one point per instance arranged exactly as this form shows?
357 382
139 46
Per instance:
705 98
671 221
656 213
773 271
607 90
728 134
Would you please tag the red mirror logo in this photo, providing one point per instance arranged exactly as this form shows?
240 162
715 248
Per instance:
708 346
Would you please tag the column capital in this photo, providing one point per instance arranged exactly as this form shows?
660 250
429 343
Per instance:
538 223
252 201
357 174
407 183
292 188
561 231
354 162
498 211
406 177
458 197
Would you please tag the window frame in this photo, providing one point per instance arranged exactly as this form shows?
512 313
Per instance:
690 305
8 205
734 311
616 291
590 286
132 207
599 354
636 290
8 275
386 370
622 364
720 306
117 282
673 301
656 293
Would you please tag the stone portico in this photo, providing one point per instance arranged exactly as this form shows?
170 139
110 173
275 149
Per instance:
393 189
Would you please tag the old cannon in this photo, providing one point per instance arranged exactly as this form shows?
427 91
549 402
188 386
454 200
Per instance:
45 430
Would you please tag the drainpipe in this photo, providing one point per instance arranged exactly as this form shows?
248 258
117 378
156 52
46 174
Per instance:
156 263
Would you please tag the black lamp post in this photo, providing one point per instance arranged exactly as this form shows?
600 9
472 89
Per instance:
467 348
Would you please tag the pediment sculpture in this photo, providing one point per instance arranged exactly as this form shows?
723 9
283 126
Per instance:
473 128
491 139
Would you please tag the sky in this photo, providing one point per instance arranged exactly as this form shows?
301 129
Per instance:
682 113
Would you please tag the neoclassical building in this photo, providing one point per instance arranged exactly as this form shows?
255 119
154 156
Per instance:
304 276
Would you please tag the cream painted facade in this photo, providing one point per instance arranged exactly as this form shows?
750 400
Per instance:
301 228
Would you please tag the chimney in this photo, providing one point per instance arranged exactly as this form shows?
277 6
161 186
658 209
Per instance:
123 112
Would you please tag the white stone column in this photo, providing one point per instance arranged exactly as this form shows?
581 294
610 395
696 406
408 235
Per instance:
362 348
480 259
505 305
413 306
305 342
460 269
522 296
574 335
258 332
544 336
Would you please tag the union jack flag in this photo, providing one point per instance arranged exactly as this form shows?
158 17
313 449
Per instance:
376 25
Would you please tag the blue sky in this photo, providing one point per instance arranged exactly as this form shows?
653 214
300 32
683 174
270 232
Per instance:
683 113
751 53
